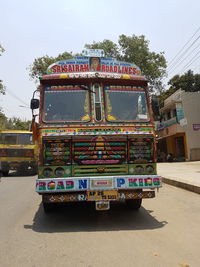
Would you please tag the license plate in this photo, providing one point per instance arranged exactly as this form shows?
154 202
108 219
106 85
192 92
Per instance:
102 205
102 195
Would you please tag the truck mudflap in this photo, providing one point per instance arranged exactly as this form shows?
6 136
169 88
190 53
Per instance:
97 196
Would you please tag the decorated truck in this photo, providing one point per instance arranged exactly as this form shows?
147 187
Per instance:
17 152
95 133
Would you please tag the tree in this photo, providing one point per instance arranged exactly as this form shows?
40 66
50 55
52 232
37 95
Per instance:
189 82
2 87
135 49
1 49
3 120
17 124
40 65
13 123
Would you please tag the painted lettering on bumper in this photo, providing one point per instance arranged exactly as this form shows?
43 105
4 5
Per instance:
95 183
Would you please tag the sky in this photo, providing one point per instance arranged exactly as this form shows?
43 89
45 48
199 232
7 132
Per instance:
32 29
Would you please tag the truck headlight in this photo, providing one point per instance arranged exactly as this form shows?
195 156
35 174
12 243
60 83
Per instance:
59 172
149 169
139 169
47 172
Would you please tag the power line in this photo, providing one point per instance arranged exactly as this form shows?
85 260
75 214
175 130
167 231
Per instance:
197 67
183 47
184 59
172 67
16 97
191 61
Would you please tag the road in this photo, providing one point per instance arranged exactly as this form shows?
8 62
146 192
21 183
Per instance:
165 232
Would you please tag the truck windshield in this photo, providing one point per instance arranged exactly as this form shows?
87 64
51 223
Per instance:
125 104
67 103
16 139
25 139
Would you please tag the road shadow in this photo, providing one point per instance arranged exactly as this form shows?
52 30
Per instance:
82 217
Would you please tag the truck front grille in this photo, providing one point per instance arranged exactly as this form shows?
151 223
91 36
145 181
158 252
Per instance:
96 170
99 150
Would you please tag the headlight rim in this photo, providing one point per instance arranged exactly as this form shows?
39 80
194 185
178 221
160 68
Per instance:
152 170
141 168
45 169
59 169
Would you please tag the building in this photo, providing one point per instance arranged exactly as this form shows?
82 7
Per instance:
178 132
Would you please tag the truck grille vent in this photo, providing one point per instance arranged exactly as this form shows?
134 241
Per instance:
100 150
56 152
141 149
100 171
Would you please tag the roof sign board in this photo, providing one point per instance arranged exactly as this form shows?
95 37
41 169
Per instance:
93 64
93 53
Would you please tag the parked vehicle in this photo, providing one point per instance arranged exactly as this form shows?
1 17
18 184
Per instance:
17 151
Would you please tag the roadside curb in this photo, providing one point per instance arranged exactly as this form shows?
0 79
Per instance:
189 187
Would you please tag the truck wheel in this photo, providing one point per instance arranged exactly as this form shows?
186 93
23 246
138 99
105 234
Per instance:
134 204
34 170
5 173
48 207
22 170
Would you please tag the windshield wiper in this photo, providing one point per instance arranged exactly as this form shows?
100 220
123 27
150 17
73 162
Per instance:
84 87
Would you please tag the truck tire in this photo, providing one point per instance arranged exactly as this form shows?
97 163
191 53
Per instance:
48 207
5 173
22 170
134 204
34 170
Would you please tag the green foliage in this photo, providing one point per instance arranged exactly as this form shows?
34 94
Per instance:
2 87
17 124
3 120
40 65
188 82
1 49
13 123
135 49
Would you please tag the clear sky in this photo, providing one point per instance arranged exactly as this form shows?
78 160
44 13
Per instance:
31 29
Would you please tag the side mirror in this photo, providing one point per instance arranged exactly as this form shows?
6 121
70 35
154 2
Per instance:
34 103
155 106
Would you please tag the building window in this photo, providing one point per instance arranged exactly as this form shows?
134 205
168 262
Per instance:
168 115
174 113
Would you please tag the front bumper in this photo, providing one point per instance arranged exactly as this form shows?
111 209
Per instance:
84 196
74 184
14 165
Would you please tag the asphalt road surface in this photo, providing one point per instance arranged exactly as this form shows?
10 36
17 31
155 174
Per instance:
164 232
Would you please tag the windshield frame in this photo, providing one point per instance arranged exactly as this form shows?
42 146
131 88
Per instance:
17 136
67 87
125 89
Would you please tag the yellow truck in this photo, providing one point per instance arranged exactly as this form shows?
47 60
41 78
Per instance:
17 152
